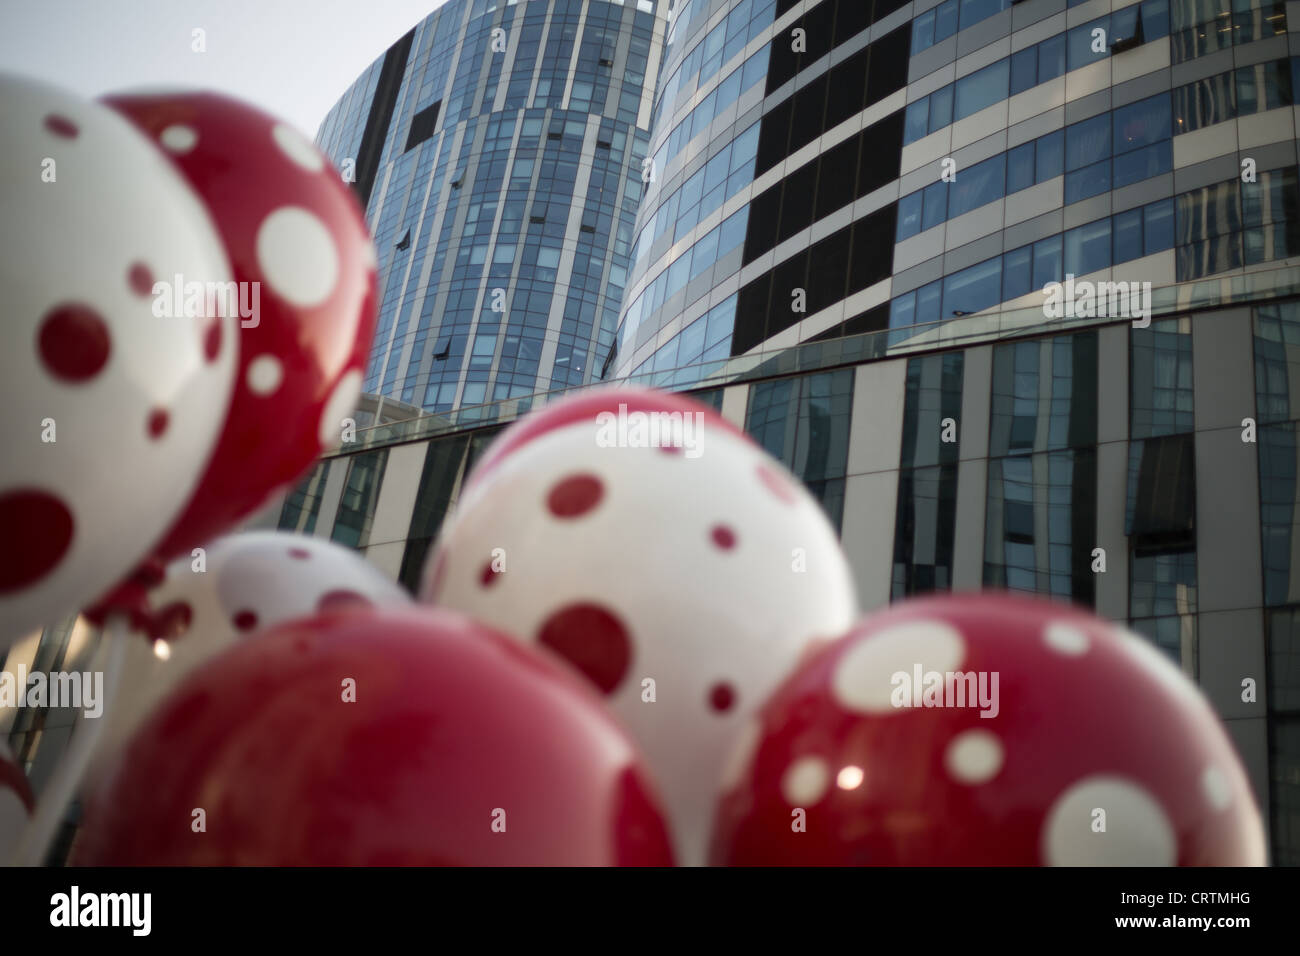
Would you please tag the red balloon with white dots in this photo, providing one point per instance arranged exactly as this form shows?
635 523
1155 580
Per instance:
378 738
987 729
304 295
662 553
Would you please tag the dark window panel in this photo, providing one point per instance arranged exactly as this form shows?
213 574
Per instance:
828 268
851 18
786 277
872 256
848 86
888 71
881 155
752 304
773 137
796 201
809 113
1164 507
422 124
764 216
836 178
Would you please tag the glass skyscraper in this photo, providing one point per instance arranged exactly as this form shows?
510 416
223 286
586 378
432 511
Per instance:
498 150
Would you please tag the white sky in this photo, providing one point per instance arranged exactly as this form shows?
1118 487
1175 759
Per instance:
292 58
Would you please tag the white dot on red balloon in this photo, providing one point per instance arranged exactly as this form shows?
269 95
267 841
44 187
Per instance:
369 256
805 781
179 138
297 256
973 756
863 677
297 148
1217 789
1138 833
342 402
264 375
1065 639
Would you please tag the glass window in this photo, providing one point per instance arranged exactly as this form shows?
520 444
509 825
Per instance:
1158 226
1017 272
1284 735
1087 142
1143 163
909 215
1024 70
941 108
1264 86
303 503
977 186
1047 261
1127 236
1204 103
360 494
916 121
936 205
982 88
923 530
1090 181
1020 168
1049 156
1160 379
923 32
1087 248
1141 124
1051 58
928 301
972 289
945 20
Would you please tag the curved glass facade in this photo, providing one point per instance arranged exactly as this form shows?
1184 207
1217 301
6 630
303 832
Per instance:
902 165
498 151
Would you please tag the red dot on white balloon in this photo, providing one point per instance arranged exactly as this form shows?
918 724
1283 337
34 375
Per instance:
61 126
722 696
140 279
74 342
245 621
297 256
157 424
592 639
488 576
264 375
179 138
297 148
723 537
575 496
300 554
212 340
37 533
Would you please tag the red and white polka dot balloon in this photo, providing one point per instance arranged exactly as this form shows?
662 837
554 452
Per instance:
302 255
250 582
683 581
16 801
453 746
1089 749
111 409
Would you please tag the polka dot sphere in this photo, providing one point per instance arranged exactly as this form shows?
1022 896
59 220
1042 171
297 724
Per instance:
671 581
252 582
299 248
99 388
1096 751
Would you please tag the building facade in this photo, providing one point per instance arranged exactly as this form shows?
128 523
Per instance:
497 150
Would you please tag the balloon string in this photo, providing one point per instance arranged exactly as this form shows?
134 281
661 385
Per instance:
52 806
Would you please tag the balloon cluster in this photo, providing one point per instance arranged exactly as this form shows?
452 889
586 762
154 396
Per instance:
636 641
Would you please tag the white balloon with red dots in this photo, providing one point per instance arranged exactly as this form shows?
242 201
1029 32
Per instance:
112 402
684 586
250 582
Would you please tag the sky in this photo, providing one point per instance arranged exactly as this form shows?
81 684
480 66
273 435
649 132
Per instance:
292 58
